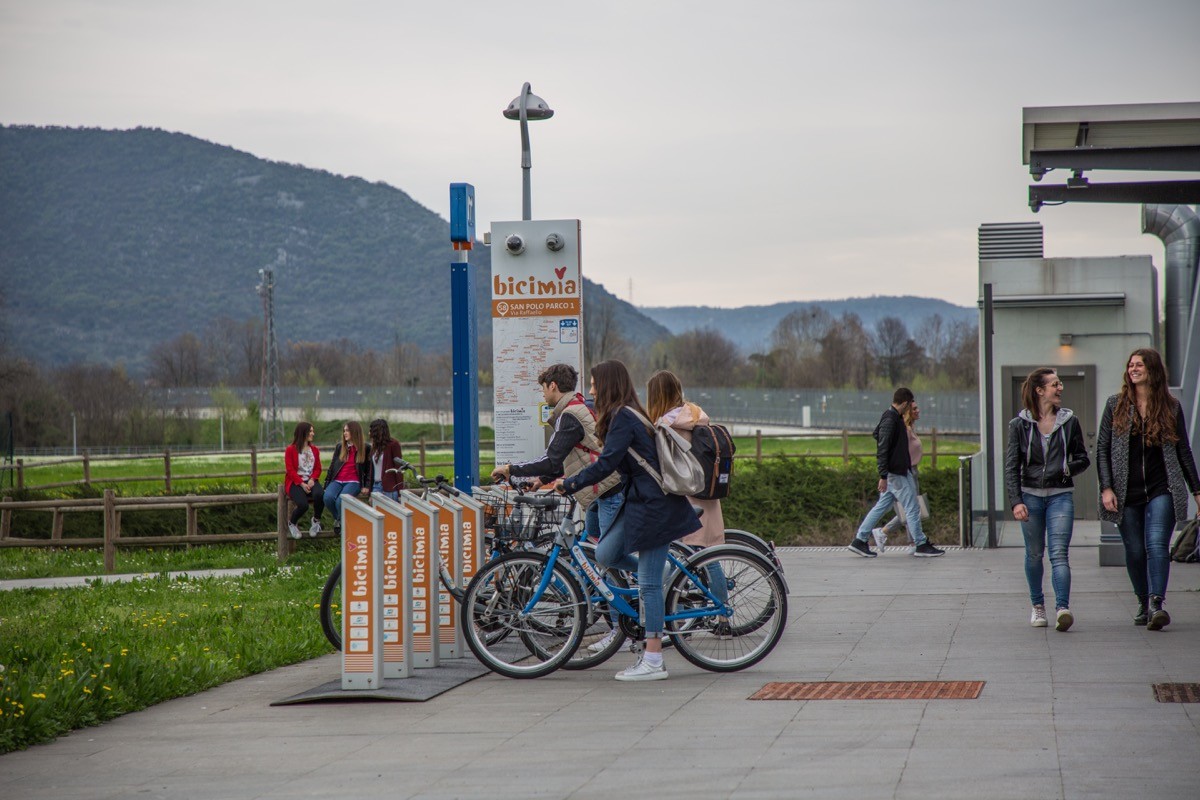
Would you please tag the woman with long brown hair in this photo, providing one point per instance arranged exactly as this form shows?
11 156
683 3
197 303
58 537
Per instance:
649 519
302 475
349 471
1045 451
1146 471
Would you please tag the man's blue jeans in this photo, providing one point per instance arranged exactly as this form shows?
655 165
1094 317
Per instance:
901 489
1050 519
1146 531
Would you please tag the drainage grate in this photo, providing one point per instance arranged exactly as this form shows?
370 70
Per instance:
871 690
1177 692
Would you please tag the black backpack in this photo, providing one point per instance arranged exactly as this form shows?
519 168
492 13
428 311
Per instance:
713 447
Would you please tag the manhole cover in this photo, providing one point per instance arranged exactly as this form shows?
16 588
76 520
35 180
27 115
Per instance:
1177 692
870 690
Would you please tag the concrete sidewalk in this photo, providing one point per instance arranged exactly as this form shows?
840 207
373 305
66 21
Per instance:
1068 715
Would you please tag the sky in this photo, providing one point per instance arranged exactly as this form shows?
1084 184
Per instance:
717 154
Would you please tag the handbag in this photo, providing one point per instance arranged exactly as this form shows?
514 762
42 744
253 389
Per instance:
921 501
681 471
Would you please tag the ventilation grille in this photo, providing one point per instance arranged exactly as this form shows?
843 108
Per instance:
1000 240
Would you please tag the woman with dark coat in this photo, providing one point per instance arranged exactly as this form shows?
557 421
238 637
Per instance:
1146 470
385 477
649 519
1045 451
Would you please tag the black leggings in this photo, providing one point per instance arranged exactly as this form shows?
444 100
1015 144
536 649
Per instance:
301 498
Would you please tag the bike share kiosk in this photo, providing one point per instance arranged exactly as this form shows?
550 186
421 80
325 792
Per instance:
362 580
424 579
397 588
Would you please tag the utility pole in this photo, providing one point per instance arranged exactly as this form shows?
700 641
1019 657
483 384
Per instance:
270 426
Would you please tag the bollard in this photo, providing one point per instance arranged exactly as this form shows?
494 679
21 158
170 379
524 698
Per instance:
110 531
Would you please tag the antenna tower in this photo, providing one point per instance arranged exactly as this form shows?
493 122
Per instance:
270 426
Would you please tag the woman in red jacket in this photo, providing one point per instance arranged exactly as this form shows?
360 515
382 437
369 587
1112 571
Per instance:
302 464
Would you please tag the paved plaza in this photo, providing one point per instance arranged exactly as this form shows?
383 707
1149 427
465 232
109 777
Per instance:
1061 715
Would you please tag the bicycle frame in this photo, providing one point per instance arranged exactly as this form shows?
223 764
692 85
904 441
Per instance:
568 539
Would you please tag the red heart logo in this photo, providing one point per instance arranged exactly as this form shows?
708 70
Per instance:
560 271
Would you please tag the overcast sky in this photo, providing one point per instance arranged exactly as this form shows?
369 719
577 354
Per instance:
717 153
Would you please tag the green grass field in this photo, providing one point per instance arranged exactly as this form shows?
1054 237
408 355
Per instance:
195 473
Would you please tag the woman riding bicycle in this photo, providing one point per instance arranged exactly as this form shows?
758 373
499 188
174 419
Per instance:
649 519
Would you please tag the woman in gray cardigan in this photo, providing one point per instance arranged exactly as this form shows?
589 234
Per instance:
1146 470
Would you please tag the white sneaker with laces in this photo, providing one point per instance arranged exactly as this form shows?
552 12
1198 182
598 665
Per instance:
880 539
293 531
1038 618
641 671
315 528
598 646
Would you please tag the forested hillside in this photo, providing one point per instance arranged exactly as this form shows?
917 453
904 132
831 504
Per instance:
114 241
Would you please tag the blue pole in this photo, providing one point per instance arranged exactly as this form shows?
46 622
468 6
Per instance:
465 341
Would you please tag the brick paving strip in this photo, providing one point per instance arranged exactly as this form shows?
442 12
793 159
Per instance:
1177 692
870 690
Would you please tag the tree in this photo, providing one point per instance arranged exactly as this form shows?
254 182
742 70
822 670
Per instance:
704 357
897 356
602 337
846 353
104 400
182 361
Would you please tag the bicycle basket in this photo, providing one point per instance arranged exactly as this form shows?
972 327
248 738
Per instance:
525 522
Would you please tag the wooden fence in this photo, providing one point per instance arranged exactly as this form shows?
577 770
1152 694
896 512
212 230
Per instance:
112 507
422 447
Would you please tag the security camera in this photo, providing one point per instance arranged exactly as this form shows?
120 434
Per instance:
555 242
514 244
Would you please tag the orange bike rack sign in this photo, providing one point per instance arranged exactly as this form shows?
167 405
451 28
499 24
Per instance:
362 583
424 579
397 588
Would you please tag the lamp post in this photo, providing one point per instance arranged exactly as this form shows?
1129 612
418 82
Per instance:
524 107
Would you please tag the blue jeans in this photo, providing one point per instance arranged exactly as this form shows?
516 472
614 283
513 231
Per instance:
649 566
1146 531
1050 518
378 487
333 497
601 513
901 489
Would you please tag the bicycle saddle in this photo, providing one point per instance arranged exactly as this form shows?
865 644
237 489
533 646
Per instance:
537 501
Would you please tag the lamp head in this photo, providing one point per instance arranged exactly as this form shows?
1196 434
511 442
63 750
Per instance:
535 108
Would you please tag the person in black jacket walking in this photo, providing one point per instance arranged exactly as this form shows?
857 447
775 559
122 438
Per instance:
1045 451
896 481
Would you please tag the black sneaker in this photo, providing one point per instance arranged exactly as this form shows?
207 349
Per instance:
861 548
1159 618
1141 617
926 549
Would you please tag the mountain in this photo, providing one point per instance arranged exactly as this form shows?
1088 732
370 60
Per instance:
112 241
749 327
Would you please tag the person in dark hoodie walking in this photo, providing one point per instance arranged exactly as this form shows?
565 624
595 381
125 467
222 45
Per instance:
1045 451
897 483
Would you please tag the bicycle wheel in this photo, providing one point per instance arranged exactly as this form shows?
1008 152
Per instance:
598 626
758 600
331 598
495 601
762 546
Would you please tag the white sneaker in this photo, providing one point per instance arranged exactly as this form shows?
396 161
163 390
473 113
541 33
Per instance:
880 539
598 646
641 671
1038 618
293 531
1064 619
315 528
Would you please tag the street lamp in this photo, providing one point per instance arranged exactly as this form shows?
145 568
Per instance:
525 107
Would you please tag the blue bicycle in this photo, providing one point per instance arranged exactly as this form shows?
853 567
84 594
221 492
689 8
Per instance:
726 606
